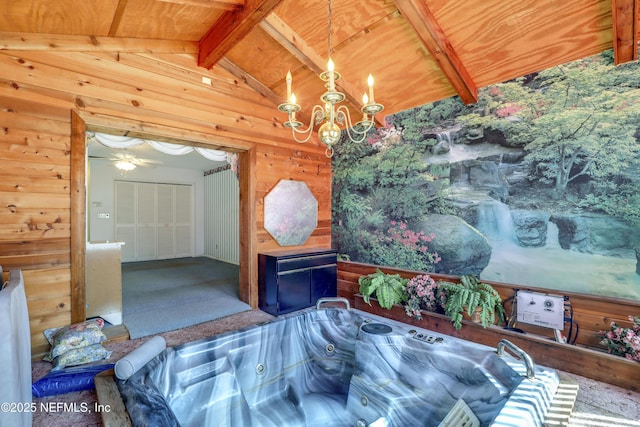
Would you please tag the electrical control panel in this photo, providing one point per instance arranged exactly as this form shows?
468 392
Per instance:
540 309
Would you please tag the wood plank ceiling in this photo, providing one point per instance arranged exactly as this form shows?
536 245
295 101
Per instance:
418 50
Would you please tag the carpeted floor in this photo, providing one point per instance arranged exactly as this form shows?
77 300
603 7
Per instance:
161 296
598 404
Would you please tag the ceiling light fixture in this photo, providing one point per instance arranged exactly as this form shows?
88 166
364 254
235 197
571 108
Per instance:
125 165
329 132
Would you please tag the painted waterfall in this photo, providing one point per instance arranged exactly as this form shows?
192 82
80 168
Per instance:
535 184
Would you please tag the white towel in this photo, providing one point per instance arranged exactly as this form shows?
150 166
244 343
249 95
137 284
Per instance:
132 362
15 353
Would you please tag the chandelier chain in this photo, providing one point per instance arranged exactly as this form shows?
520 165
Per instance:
329 29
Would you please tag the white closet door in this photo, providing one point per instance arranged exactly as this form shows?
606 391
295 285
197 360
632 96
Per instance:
184 215
166 221
125 220
154 220
146 226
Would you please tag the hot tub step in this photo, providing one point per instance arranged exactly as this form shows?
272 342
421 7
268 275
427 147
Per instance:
460 416
562 405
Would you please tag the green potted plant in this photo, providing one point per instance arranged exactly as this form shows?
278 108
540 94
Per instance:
479 300
388 289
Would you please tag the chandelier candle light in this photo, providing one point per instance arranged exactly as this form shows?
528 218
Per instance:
332 116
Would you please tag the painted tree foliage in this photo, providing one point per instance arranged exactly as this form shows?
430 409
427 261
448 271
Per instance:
376 200
579 124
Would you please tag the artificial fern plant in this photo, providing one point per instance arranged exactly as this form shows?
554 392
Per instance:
469 295
388 289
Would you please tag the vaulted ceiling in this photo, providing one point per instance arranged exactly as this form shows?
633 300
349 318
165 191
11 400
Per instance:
419 51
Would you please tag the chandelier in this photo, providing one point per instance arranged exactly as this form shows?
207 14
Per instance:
330 116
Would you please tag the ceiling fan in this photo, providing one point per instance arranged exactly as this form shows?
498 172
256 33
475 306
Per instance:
127 162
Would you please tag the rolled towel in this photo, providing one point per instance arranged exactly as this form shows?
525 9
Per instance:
132 362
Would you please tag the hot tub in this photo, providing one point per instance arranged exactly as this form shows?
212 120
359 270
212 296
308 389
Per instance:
337 367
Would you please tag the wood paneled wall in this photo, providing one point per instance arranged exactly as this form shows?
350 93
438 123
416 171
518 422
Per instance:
161 95
274 164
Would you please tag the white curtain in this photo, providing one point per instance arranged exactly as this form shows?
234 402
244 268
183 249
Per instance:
121 142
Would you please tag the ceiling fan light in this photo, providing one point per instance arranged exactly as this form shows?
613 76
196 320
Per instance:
125 165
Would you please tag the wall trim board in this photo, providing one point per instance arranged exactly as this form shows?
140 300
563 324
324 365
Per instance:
248 227
78 217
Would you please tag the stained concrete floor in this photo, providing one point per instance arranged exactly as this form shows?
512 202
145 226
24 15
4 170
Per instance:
602 404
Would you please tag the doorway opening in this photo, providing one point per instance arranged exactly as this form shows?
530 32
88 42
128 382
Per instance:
83 122
171 217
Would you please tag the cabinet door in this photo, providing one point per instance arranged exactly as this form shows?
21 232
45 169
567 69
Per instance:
324 282
293 291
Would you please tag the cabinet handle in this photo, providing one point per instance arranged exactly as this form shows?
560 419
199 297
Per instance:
298 270
304 258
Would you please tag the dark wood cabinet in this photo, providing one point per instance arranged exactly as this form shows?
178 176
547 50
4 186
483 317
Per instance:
295 279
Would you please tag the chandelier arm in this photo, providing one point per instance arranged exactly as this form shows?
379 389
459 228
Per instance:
354 134
295 132
346 116
315 113
361 135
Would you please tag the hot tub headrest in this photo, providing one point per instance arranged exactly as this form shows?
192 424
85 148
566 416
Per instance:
132 362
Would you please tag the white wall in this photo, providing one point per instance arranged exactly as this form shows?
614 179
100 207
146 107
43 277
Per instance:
102 175
222 204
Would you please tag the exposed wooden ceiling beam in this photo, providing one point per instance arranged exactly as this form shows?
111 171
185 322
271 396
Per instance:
117 18
433 38
82 43
292 42
229 66
625 30
231 28
256 85
216 4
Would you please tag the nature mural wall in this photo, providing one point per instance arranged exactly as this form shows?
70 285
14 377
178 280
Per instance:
536 184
